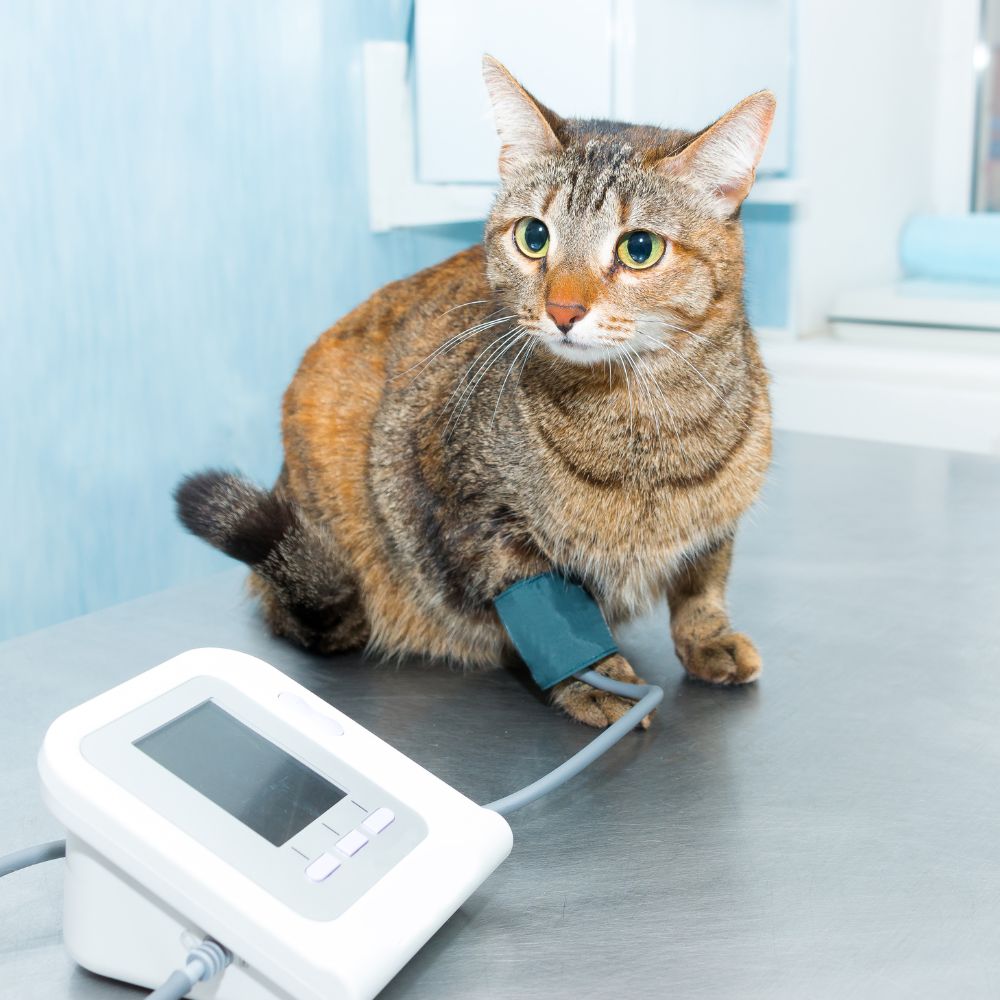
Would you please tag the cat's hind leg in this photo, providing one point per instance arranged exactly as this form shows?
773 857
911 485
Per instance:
308 591
331 624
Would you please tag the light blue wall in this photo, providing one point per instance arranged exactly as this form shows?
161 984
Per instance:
182 210
767 236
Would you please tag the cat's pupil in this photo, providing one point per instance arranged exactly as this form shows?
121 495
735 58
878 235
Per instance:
536 235
640 246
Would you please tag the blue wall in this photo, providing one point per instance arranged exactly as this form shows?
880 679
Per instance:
182 210
767 235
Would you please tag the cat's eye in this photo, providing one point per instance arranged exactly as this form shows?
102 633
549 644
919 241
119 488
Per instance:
640 249
532 238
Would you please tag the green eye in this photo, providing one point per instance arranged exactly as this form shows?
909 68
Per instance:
532 238
640 249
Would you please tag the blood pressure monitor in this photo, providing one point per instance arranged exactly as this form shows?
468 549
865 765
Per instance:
213 796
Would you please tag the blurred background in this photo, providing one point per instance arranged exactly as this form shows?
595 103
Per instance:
190 193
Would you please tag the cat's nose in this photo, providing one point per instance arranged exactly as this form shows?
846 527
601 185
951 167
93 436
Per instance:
564 316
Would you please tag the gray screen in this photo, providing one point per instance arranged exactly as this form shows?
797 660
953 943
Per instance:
238 769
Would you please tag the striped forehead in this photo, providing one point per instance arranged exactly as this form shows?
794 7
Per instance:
590 175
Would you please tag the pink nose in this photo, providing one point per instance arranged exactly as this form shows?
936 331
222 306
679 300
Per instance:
564 316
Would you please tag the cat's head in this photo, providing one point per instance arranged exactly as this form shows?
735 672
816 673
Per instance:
607 238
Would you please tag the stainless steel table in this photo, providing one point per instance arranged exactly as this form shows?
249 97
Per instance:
831 832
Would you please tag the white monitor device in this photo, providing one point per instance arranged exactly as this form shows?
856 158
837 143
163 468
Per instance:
214 796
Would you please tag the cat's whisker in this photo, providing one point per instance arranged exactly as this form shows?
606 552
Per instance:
464 402
660 322
462 305
644 373
451 343
471 377
651 384
524 364
642 377
467 374
666 325
671 415
712 388
520 351
631 425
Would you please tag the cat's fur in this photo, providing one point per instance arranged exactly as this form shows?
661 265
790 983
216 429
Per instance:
426 473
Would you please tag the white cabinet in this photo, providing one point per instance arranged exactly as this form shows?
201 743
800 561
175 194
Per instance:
561 51
678 63
688 61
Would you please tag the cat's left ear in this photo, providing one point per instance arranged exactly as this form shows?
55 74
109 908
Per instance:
523 124
723 159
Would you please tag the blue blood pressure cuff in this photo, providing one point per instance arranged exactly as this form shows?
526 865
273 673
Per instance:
555 625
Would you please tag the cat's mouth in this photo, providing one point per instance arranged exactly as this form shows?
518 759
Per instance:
580 352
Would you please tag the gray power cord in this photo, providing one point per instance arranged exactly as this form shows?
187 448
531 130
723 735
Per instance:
204 962
208 959
649 695
11 863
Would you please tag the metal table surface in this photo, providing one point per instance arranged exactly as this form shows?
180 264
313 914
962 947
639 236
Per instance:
833 831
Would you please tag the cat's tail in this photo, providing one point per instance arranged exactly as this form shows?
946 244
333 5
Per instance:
237 517
308 592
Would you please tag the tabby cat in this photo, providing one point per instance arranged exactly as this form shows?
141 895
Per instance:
602 411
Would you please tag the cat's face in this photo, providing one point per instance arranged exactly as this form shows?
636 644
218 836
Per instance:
614 241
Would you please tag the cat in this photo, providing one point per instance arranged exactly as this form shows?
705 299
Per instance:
580 393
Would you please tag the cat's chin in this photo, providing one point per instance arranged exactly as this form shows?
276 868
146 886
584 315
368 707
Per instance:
581 354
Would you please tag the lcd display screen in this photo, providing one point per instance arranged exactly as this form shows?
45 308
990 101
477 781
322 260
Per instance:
260 784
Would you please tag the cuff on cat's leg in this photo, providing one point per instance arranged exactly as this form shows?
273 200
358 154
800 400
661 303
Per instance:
555 625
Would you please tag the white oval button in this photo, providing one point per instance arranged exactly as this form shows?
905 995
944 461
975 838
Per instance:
378 820
352 843
311 719
322 868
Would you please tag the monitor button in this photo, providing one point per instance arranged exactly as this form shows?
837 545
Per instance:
322 868
378 820
315 722
352 843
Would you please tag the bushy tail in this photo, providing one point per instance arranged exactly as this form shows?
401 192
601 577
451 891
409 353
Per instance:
308 591
241 519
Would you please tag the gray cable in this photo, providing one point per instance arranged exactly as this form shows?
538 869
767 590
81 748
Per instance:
29 856
649 695
203 962
175 988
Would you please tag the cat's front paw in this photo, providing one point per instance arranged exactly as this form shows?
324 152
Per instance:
594 707
730 658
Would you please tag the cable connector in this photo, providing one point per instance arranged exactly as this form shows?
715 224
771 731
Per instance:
206 961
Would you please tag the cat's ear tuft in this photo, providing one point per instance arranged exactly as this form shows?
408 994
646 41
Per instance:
524 125
723 159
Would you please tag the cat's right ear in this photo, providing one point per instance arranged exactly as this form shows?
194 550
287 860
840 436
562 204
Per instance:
522 123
